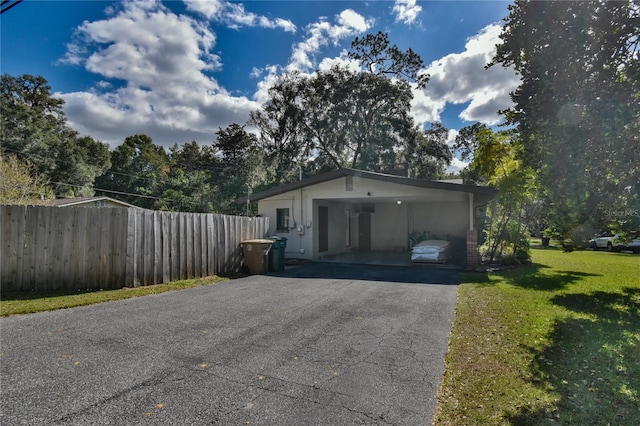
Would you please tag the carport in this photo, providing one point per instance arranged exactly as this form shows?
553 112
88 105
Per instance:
349 212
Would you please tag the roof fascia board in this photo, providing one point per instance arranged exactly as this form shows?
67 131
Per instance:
338 173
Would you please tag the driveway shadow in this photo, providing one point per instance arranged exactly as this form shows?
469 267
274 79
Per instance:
418 274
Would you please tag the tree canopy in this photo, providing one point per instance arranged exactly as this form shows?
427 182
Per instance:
344 118
578 105
376 56
138 171
33 127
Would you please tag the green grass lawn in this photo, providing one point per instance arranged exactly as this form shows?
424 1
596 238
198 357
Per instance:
26 303
557 342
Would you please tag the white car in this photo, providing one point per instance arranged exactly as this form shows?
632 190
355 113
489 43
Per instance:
613 242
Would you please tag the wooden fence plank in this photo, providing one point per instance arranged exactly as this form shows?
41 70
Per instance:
182 246
189 245
210 244
174 230
156 227
165 218
130 271
69 263
217 253
13 247
57 237
23 240
29 253
106 225
117 240
197 246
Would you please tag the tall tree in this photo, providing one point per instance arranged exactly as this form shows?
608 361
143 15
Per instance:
190 185
33 127
138 171
281 136
378 57
578 105
344 118
337 118
426 155
241 171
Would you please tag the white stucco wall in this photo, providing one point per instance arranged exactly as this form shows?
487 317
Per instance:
440 219
298 243
389 226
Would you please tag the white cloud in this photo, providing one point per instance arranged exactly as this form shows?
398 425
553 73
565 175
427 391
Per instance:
342 61
451 137
456 166
162 58
350 19
209 8
262 92
406 11
320 34
234 15
461 78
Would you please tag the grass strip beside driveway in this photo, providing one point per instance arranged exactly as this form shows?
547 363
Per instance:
26 303
555 342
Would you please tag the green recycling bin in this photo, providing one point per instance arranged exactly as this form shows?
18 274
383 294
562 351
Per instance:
276 255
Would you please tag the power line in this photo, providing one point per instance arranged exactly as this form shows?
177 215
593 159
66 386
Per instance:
121 192
8 4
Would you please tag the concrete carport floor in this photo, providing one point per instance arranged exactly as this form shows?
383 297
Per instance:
318 344
386 258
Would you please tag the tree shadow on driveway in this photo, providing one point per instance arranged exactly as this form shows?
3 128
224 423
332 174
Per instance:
418 274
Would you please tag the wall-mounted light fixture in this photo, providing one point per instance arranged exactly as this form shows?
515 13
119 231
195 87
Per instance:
399 201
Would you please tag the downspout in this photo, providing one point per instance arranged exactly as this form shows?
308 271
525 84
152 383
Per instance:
293 224
470 194
301 209
301 234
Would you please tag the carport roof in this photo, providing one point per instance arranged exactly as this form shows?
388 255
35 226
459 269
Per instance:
338 173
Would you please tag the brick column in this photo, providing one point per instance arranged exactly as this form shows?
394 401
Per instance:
472 249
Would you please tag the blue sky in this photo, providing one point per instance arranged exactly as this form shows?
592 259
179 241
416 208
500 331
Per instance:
179 70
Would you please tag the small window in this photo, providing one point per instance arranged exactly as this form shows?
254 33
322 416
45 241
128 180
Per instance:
348 183
282 220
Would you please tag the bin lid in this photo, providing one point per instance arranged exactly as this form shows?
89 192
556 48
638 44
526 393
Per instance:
276 238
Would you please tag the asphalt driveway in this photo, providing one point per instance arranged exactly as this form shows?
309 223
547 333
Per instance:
322 344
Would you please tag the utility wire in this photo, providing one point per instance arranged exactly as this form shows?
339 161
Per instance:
122 192
8 4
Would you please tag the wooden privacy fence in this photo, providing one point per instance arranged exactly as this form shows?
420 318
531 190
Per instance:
52 248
